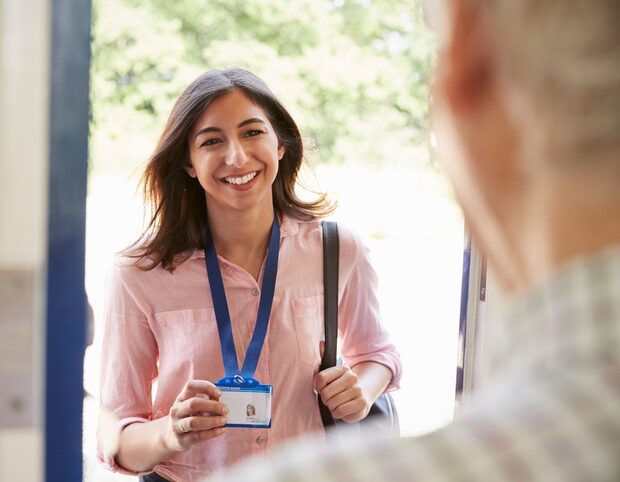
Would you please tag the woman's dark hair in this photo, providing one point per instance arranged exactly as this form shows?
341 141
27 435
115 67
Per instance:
178 205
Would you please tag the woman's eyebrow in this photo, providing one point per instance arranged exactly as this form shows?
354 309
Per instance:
251 120
204 130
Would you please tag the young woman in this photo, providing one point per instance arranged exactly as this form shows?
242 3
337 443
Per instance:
222 187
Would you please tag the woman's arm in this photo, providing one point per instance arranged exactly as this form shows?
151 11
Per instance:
128 368
192 419
142 445
363 337
350 392
373 378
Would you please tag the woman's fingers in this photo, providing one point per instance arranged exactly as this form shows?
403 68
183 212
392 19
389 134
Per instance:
196 414
205 434
199 387
329 383
340 391
327 376
197 406
192 430
198 424
186 440
349 405
352 411
348 395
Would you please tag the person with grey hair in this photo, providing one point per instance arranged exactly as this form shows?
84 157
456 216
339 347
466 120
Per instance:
527 116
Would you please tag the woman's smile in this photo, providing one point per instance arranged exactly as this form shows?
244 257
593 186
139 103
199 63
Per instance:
241 181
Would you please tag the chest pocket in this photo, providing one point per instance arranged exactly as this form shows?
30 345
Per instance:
189 344
308 318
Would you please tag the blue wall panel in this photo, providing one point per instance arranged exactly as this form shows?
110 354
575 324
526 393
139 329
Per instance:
66 309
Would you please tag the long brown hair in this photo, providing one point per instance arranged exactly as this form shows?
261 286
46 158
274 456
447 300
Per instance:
177 201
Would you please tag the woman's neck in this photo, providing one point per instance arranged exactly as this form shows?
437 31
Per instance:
242 238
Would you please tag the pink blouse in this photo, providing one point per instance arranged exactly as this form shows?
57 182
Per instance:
160 327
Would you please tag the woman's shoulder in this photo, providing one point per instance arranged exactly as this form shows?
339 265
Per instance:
350 241
136 278
348 236
125 267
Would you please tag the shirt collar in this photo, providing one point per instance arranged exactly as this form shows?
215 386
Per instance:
572 319
288 227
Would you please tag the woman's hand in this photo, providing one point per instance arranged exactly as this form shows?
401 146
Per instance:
341 392
195 416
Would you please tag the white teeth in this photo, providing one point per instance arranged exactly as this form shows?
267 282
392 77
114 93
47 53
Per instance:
241 180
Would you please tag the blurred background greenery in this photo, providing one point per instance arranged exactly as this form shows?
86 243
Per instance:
354 73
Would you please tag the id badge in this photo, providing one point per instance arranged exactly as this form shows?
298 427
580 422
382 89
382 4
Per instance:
248 402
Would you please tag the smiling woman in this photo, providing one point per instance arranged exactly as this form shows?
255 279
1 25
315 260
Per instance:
221 184
196 140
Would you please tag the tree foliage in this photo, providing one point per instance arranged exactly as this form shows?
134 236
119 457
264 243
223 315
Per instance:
354 73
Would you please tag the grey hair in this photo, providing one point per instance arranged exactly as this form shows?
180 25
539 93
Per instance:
565 57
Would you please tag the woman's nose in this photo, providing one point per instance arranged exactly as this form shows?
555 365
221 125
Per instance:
236 155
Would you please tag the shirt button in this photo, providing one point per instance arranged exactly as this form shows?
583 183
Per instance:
260 440
255 292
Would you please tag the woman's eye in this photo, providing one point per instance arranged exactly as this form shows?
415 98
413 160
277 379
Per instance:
210 142
253 132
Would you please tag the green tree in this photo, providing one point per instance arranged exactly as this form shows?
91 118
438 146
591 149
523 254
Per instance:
354 73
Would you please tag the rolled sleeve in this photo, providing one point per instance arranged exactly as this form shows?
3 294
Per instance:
128 366
363 337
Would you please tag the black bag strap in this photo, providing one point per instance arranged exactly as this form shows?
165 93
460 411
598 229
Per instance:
331 248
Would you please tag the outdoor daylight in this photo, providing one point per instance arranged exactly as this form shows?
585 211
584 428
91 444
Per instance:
355 75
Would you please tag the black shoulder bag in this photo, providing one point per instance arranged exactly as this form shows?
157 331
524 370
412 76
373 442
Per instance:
382 416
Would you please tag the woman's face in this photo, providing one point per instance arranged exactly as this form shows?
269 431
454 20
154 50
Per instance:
234 154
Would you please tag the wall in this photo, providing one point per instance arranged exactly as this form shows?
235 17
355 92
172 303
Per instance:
24 94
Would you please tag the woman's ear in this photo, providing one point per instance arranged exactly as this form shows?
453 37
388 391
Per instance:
281 151
189 169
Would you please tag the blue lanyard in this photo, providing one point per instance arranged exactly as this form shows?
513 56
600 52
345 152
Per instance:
222 314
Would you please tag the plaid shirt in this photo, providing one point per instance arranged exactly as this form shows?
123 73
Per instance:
550 410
